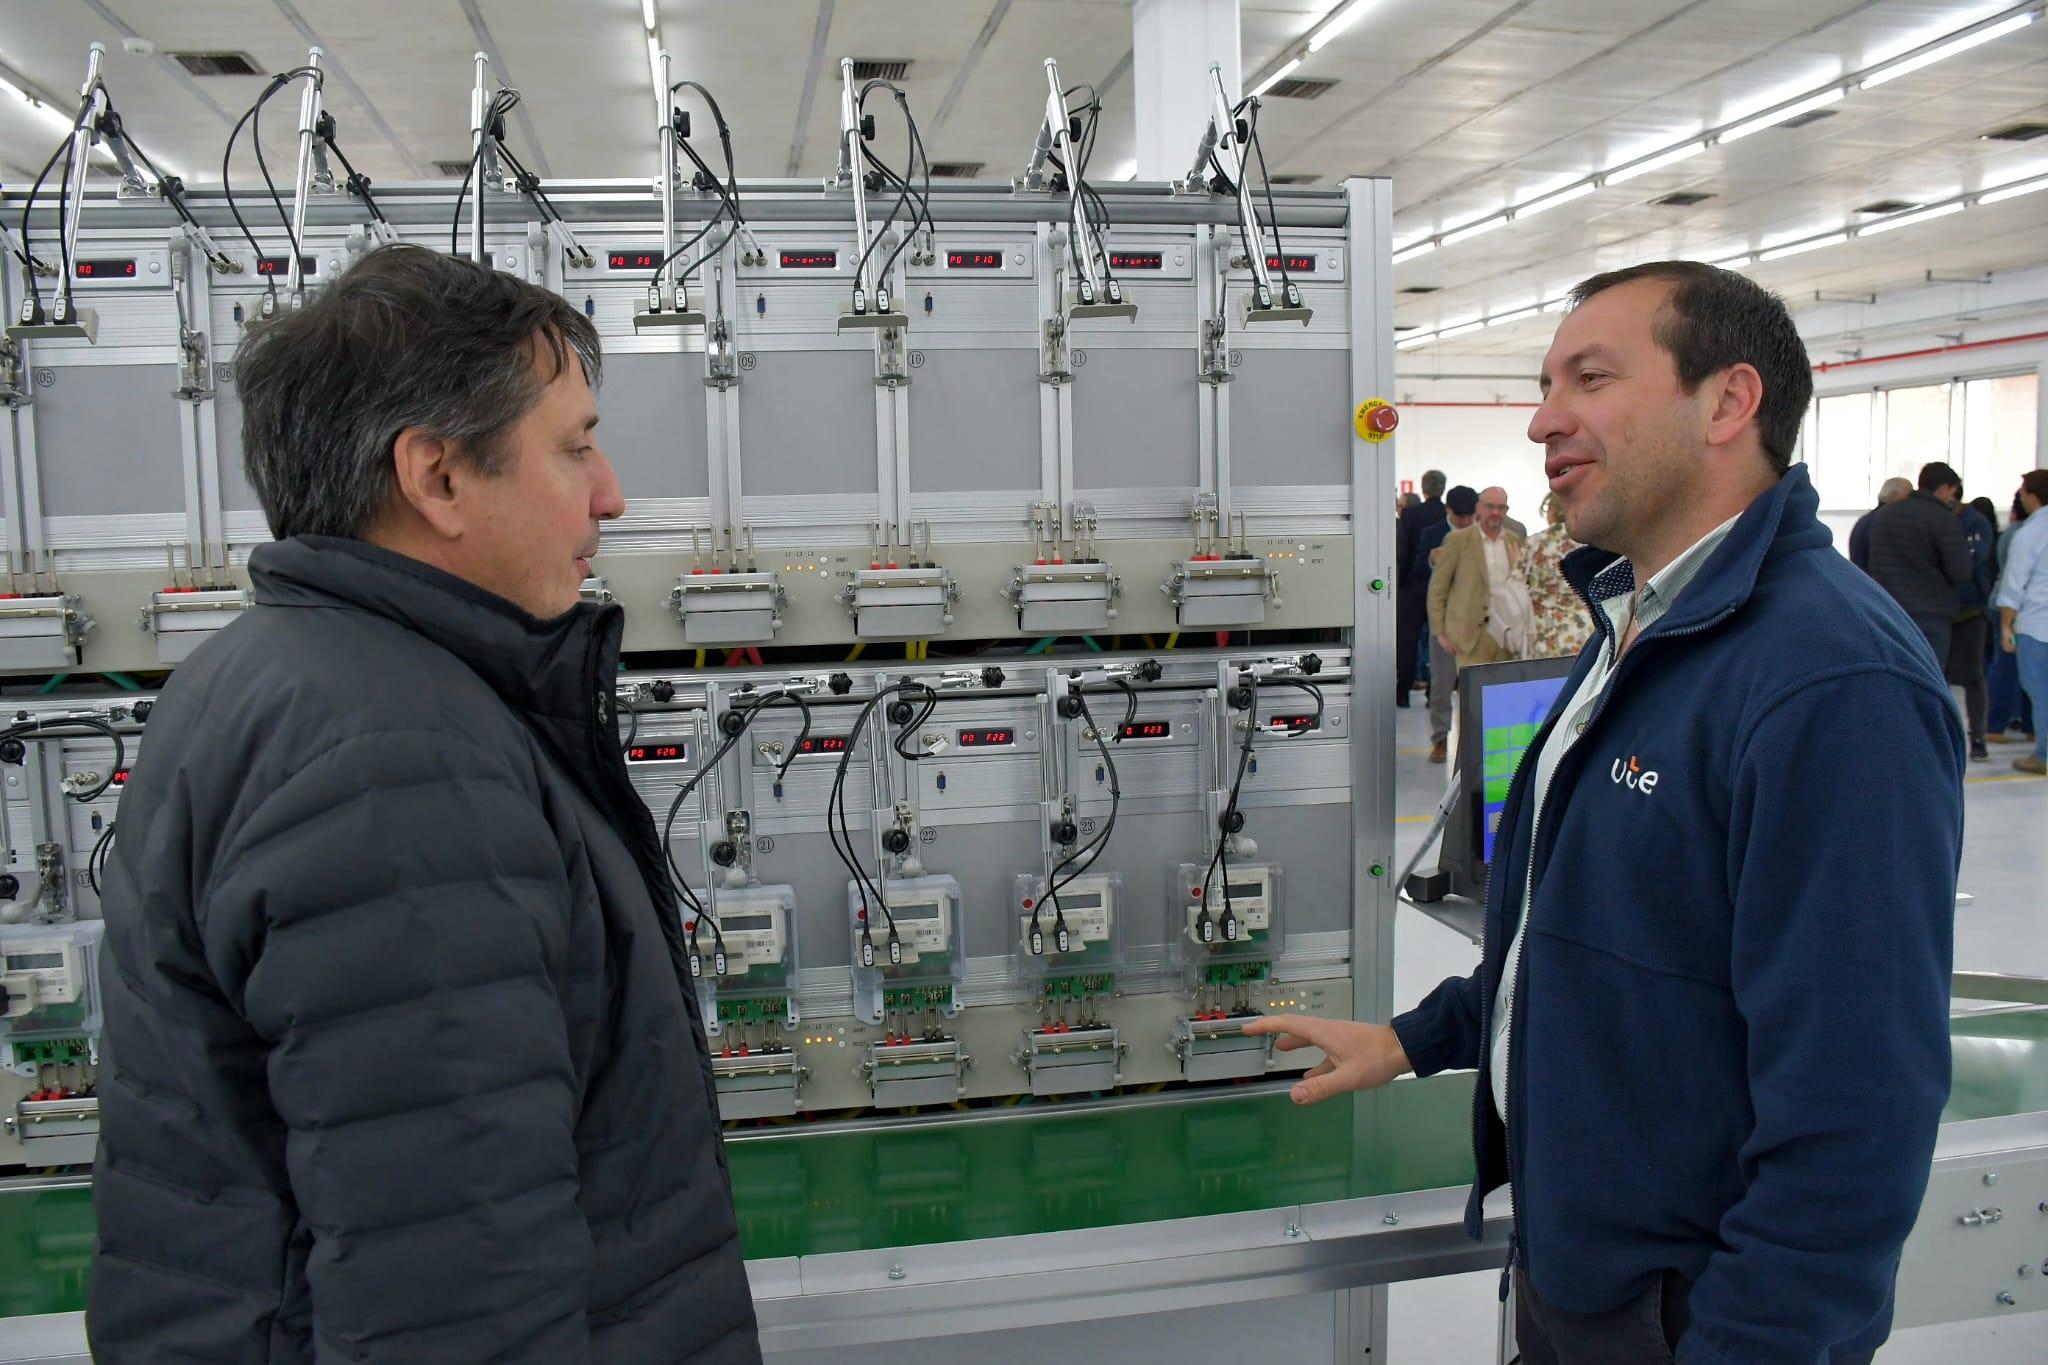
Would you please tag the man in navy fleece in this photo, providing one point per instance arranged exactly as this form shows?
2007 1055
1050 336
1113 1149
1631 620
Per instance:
1711 1017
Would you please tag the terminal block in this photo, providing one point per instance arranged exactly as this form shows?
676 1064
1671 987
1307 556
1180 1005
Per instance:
42 629
1218 1049
723 604
182 619
1222 584
1063 1060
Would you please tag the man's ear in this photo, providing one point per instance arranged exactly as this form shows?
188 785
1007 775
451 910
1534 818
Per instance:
1738 392
429 479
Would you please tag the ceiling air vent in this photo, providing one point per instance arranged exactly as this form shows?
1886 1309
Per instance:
1418 288
1684 199
880 69
454 170
1299 88
217 63
1810 116
2017 132
957 170
1888 206
1298 178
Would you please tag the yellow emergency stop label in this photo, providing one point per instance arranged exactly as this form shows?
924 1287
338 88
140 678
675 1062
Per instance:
1375 420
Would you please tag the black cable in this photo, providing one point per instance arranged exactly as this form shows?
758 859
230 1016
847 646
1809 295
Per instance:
1084 857
842 835
907 194
358 183
75 727
632 729
252 117
1266 185
63 238
96 861
256 137
910 727
26 251
1251 730
502 103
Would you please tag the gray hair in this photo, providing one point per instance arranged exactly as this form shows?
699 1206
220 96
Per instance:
407 337
1433 483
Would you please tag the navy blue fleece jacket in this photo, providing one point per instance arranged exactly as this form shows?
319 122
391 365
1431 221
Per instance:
1731 1020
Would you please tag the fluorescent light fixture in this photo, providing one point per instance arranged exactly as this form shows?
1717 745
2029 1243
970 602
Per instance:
1464 329
1557 305
647 19
1410 343
1531 311
1735 262
1779 253
1831 95
2014 190
1421 248
1906 65
1285 70
1471 230
1551 201
50 114
1671 157
1337 23
1909 219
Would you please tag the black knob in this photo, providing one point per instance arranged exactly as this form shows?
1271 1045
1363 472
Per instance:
897 841
1064 833
732 722
1240 698
663 690
141 711
991 677
840 683
725 853
1311 664
12 752
1232 821
10 885
900 712
1070 707
1150 671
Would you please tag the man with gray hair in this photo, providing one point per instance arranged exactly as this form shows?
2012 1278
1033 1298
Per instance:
402 1061
1410 588
1859 534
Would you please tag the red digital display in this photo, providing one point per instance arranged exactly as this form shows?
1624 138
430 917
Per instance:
988 738
120 777
654 753
974 260
282 265
638 258
1147 729
823 744
1295 261
1136 260
104 268
1294 724
810 260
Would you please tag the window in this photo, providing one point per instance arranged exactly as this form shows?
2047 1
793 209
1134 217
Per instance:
1986 428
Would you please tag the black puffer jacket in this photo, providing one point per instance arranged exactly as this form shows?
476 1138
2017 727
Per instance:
400 1062
1919 555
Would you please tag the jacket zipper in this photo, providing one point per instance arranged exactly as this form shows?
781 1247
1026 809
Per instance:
1515 1242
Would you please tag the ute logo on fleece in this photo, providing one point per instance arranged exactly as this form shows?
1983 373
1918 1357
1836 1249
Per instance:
1631 775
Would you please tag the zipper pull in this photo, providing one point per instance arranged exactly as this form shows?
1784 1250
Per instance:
1507 1271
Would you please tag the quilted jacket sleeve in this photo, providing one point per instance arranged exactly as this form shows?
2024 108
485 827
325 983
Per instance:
394 923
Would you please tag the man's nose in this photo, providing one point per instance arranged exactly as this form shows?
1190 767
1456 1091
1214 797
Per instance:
607 500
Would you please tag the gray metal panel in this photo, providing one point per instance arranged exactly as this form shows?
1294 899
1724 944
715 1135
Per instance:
1311 843
236 492
652 428
974 421
107 441
807 423
1135 419
1289 422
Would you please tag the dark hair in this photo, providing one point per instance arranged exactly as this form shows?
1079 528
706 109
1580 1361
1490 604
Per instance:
1715 319
1934 474
1986 509
1462 500
2034 481
407 337
1432 483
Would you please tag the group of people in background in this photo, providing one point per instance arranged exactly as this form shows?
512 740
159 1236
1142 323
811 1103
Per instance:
1979 594
1473 586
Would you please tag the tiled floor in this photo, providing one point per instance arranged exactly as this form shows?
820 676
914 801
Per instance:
2004 928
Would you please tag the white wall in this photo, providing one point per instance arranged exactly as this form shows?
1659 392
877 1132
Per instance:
1477 445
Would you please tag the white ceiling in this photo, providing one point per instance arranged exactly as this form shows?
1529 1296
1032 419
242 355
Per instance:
1469 105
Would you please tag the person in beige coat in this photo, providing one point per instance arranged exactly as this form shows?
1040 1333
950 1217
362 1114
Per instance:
1478 599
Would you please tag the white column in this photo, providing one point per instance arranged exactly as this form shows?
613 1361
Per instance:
1173 43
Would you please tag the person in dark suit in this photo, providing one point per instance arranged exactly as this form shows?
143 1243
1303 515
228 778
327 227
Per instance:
1859 534
1408 603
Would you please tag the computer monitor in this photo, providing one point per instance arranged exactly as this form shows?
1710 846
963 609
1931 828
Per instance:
1500 708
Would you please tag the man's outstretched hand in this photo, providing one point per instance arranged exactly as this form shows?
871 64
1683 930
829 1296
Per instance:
1355 1056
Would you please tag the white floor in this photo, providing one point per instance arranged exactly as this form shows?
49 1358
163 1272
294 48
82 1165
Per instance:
2003 928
